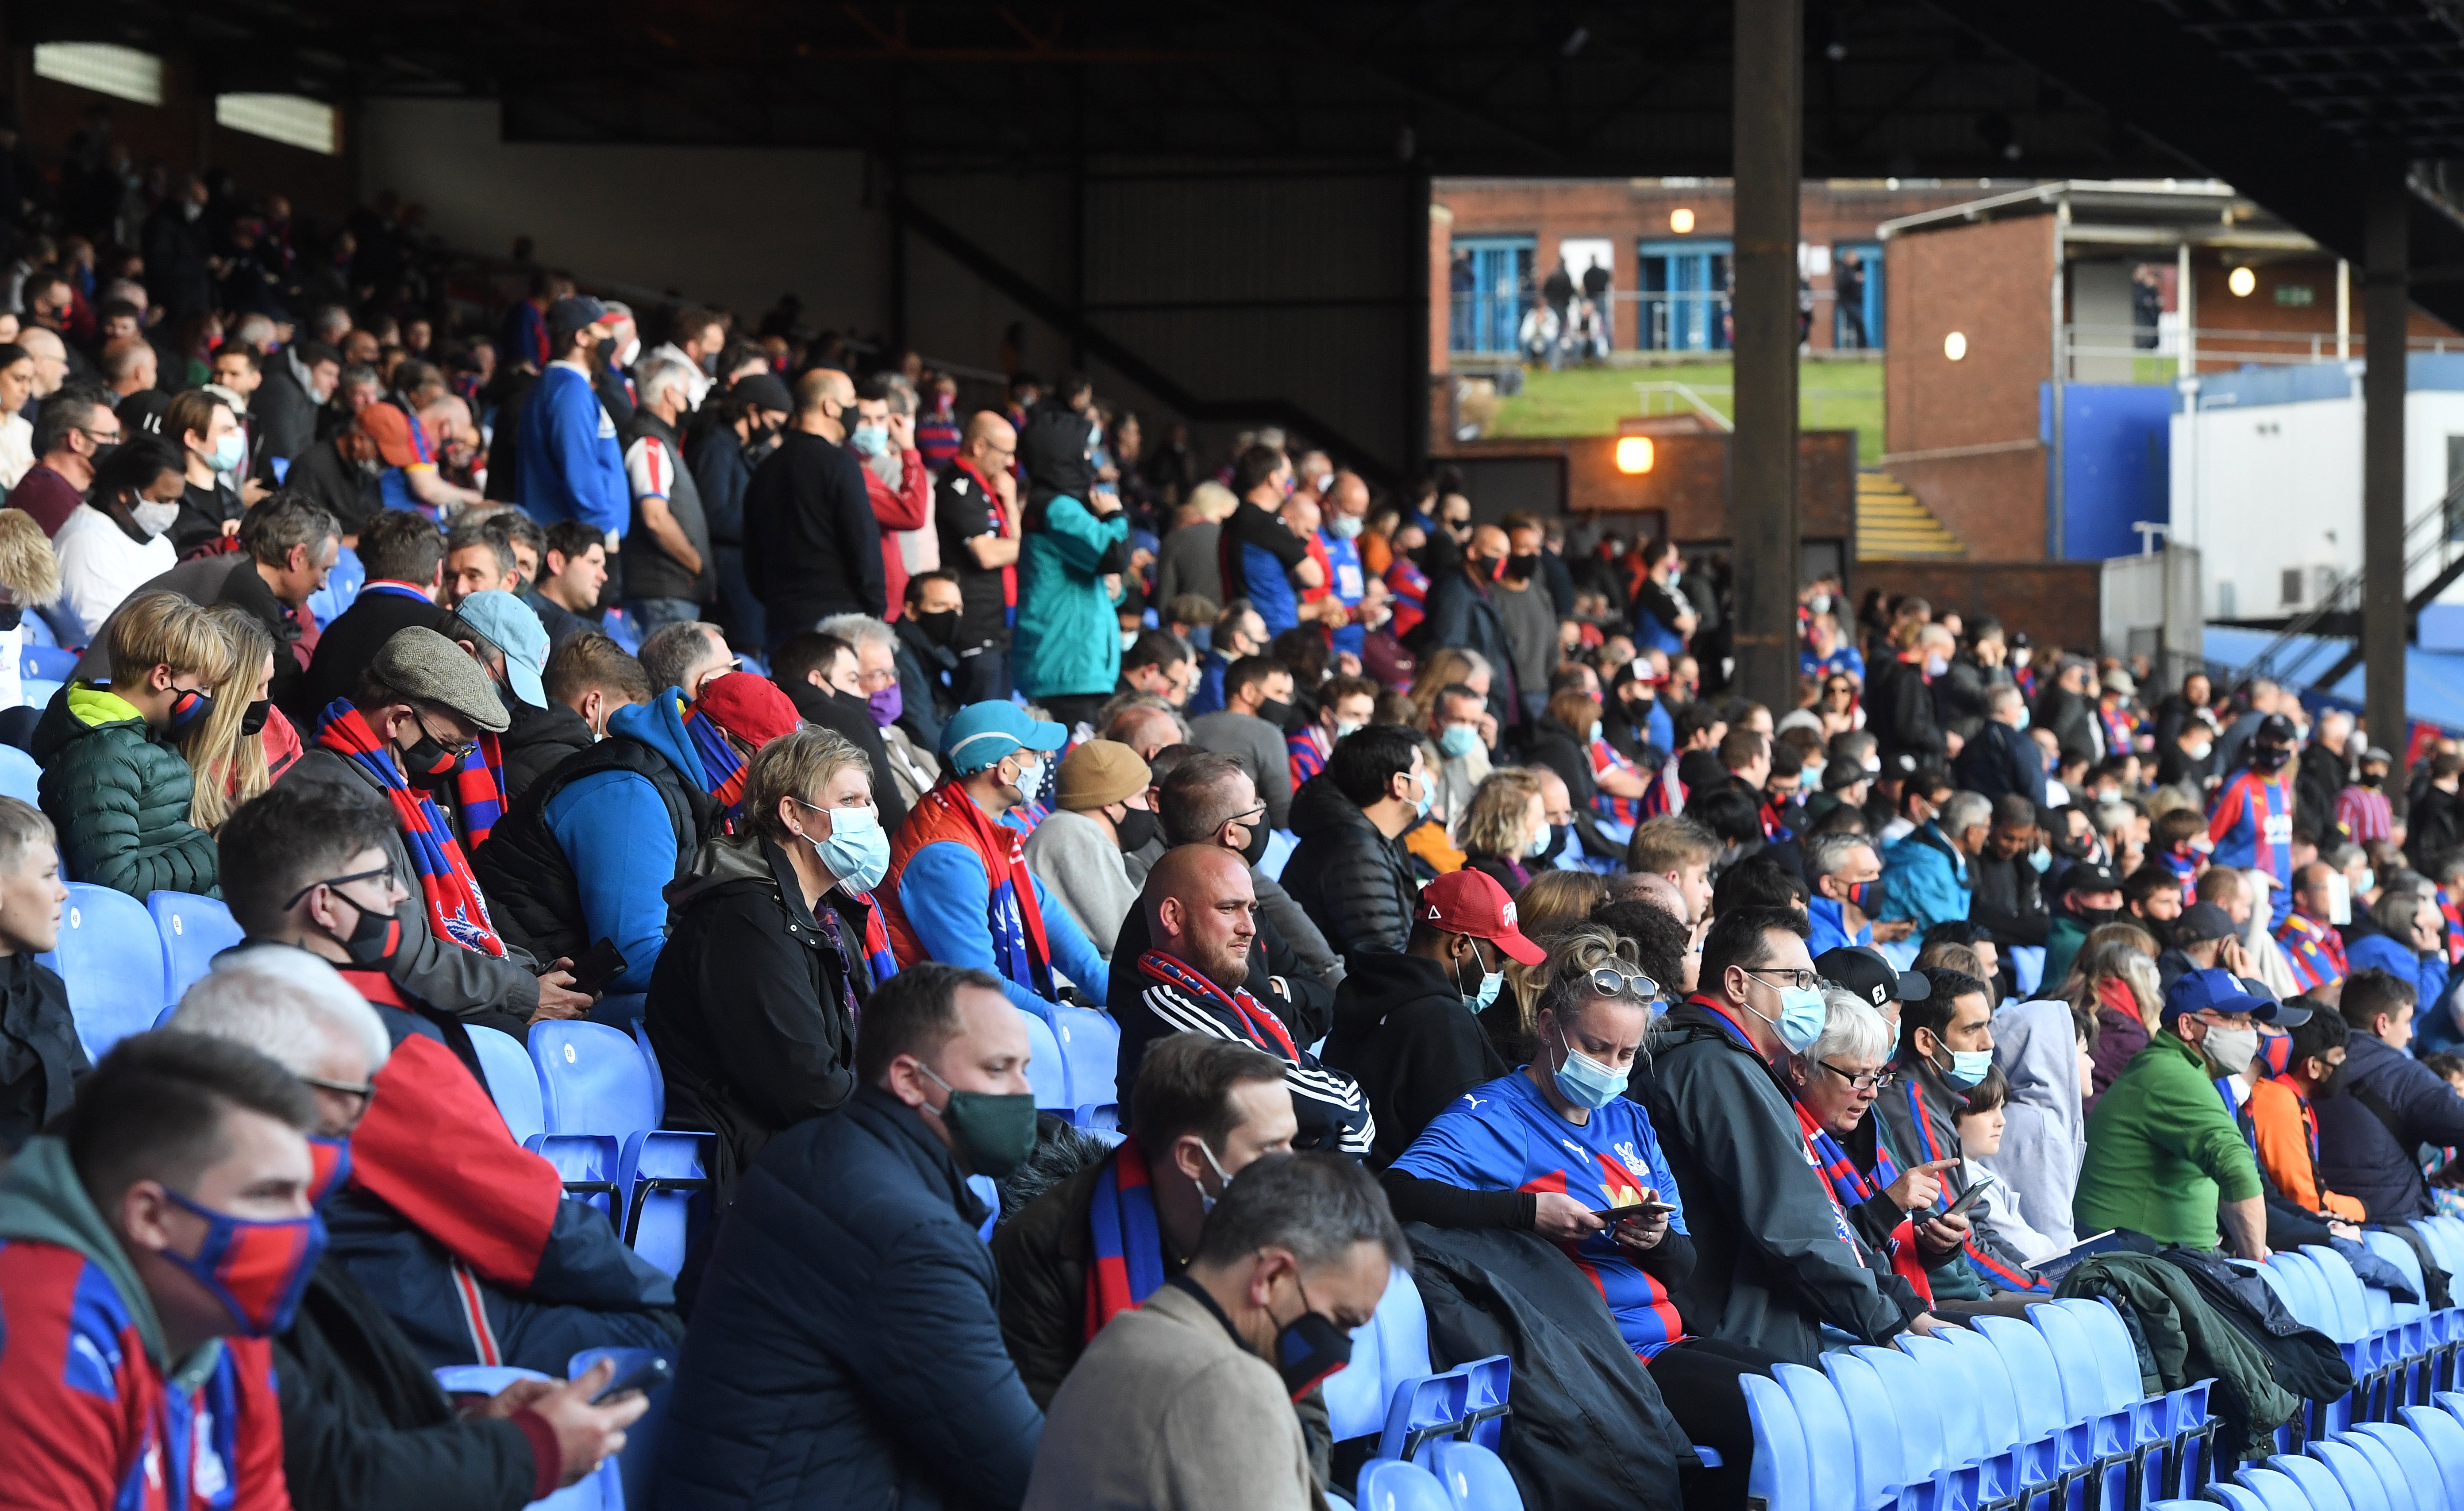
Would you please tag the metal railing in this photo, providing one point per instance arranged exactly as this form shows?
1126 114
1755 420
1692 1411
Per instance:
2219 346
2428 534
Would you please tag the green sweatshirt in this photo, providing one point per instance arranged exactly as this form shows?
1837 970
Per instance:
2162 1152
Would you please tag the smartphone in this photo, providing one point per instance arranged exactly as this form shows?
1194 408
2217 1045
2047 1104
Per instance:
1974 1193
1613 1215
601 963
653 1374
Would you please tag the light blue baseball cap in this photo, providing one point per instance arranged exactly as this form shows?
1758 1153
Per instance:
980 734
516 631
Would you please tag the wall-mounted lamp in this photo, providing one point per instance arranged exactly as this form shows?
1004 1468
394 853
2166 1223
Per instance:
1955 345
2241 280
1633 455
1681 220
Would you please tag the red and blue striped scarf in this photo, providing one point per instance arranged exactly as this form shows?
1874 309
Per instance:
456 908
1996 1272
1129 1246
722 769
947 814
1849 1185
479 788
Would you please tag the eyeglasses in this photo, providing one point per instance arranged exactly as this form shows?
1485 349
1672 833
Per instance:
456 751
1874 1080
1799 980
363 1093
1607 981
1249 819
338 883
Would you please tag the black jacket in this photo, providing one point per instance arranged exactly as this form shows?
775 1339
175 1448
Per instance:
2070 718
1770 1264
812 546
2433 828
529 880
1962 690
721 474
1998 760
1309 1011
748 1006
1899 711
537 741
246 588
926 687
364 1427
284 412
1461 614
2007 899
346 648
889 1387
2386 1105
1404 1031
851 720
40 1056
2320 776
1354 882
336 484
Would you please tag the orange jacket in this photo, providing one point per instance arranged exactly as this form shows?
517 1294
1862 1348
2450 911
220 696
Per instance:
2286 1132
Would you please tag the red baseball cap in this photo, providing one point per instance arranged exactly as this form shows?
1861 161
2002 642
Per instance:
1470 901
750 707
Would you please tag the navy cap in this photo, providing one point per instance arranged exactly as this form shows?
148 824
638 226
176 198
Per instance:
980 734
2223 992
571 313
1864 972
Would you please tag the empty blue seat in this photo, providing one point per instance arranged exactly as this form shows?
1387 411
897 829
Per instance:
193 931
587 1163
19 775
1090 1044
513 1081
1954 1397
1830 1439
2036 1386
1047 1071
1355 1395
110 958
987 1191
2444 1438
1781 1479
2276 1491
1422 1411
632 1468
1881 1462
2317 1481
1402 1330
1490 1400
641 1032
665 1186
2415 1463
1916 1408
1389 1485
2403 1491
1475 1478
2357 1475
341 590
593 1082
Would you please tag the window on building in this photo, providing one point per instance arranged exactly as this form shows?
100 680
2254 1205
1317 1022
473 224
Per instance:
1682 296
293 119
106 68
1490 284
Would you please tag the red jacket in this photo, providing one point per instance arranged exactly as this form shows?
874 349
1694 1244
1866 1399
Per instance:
905 507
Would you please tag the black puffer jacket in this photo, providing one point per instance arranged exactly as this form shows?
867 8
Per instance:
1354 882
889 1386
40 1057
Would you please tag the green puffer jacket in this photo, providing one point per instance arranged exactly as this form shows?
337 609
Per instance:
118 791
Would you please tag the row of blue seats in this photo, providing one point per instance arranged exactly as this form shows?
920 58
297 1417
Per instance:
2415 1463
126 963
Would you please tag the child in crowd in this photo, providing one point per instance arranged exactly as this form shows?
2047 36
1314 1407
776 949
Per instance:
40 1057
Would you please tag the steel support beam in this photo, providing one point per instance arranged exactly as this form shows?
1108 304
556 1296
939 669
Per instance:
2386 248
1769 128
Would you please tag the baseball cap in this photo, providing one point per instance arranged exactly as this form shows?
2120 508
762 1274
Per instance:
980 734
2199 990
2274 727
764 391
2202 921
424 666
1099 773
571 313
1640 670
2120 681
516 631
2090 876
749 706
390 428
1863 970
1470 901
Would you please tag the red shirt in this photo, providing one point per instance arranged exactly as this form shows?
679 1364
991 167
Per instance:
50 497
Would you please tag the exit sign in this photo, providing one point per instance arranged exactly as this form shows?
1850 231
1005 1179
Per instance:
2294 294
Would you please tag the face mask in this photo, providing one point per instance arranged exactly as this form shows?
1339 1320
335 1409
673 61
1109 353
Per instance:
2340 899
994 1132
626 353
1206 1203
886 706
1479 997
1345 527
1255 850
1820 603
2269 758
2096 918
1346 729
1968 1067
940 627
257 1270
2231 1049
1539 845
1428 797
1522 566
190 709
2367 882
333 1161
1129 638
2025 717
1861 895
1308 1349
1802 1016
1457 741
252 722
2196 752
1557 835
1276 711
2332 1085
154 518
1873 766
872 440
2371 779
1597 729
857 852
229 451
2039 858
1675 574
1134 827
2019 657
372 941
1030 779
1936 665
1585 1082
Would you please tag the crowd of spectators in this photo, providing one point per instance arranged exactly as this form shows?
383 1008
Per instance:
1449 904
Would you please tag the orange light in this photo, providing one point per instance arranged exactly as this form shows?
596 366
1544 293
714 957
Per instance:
1633 455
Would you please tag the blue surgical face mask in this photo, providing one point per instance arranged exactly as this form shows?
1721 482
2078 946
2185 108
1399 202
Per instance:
872 440
1596 727
2039 858
1539 845
1458 740
1428 797
857 852
1802 1016
1206 1203
1490 981
1345 526
1968 1067
2024 718
2365 881
229 451
1587 1082
1346 729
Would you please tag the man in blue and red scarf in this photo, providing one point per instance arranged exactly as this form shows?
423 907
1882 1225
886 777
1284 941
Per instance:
1101 1241
959 890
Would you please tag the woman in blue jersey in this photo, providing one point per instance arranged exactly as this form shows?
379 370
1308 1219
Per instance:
1547 1147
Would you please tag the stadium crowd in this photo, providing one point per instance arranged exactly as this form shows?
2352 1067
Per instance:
1452 911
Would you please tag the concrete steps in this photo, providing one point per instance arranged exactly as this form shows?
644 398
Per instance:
1892 526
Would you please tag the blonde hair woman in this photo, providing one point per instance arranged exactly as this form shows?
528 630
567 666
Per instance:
226 749
1554 902
1499 825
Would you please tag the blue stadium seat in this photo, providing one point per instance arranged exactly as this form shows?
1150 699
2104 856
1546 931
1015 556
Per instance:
1047 1071
1953 1395
193 931
47 664
1924 1452
658 1077
1279 845
513 1081
2444 1438
1475 1478
988 1191
1356 1394
1829 1441
587 1163
1387 1486
2402 1494
20 777
1881 1464
667 1192
1781 1479
2357 1475
2276 1491
2036 1382
341 590
1091 1043
1423 1410
2432 1485
2317 1481
1403 1331
111 960
1489 1401
37 692
629 1473
594 1082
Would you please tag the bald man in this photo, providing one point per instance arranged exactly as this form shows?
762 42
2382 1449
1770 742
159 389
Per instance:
1345 511
1200 914
1462 612
1145 729
812 548
976 509
128 365
51 360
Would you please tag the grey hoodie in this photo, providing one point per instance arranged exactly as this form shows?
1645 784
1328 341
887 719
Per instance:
42 1201
2045 1135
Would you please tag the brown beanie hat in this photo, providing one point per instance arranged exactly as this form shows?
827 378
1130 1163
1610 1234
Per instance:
1100 772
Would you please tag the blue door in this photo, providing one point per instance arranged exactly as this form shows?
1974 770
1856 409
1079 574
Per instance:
1490 283
1856 288
1684 296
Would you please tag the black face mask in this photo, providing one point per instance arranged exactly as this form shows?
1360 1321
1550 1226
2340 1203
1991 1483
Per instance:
252 722
372 941
428 764
2269 758
1523 567
1308 1349
2371 779
1480 566
940 627
9 616
2096 918
1136 827
1276 711
1255 850
2334 1084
